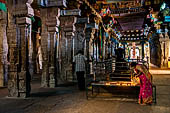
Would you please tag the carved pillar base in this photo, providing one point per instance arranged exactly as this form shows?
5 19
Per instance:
52 78
12 85
13 74
44 77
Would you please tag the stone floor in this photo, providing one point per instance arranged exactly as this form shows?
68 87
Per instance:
67 99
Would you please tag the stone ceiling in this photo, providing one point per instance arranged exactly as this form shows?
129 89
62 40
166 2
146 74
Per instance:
131 22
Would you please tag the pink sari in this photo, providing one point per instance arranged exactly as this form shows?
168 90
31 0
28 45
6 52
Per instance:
145 95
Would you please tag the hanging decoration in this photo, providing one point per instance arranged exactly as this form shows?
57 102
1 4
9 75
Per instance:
105 11
100 43
109 22
100 16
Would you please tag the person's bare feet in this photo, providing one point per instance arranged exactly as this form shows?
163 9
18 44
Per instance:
142 104
139 102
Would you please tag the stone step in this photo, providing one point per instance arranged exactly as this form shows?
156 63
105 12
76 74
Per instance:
119 79
120 73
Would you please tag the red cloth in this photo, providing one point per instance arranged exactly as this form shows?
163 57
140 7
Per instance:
2 1
145 94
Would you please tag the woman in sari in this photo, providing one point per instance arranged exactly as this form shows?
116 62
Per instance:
145 95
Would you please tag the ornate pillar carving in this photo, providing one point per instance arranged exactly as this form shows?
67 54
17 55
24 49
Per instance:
79 37
3 49
66 51
88 32
44 45
51 51
164 41
49 48
18 34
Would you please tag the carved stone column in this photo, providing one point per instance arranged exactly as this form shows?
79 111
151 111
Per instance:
19 77
80 33
51 46
44 45
49 77
50 41
3 49
164 41
88 36
143 49
89 31
66 50
13 59
166 46
24 77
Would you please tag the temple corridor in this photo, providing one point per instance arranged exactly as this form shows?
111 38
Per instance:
41 42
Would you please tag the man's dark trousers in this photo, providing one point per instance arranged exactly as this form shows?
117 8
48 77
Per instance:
81 80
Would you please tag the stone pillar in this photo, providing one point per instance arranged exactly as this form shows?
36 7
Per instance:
24 77
66 48
3 49
13 59
164 42
79 37
88 32
52 80
80 33
124 52
69 56
166 46
19 77
44 45
165 50
91 43
143 53
50 24
49 76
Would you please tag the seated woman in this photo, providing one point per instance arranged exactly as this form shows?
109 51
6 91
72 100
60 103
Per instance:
145 95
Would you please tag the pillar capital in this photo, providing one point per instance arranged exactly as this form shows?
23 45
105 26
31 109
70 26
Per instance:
88 32
23 21
54 3
23 9
82 20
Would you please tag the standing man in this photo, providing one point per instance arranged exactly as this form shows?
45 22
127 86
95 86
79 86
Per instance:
80 62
